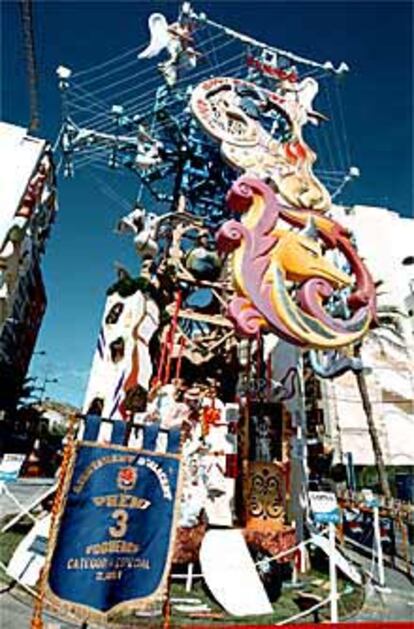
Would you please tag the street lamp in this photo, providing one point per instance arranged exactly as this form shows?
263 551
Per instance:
47 381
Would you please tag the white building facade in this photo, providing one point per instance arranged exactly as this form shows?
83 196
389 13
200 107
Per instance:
385 241
27 209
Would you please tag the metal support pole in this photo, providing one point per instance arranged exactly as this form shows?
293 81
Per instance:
377 536
189 579
332 574
299 467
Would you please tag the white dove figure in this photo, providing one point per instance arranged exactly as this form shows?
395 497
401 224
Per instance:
160 36
304 93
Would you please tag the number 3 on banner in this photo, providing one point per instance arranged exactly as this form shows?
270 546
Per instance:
121 517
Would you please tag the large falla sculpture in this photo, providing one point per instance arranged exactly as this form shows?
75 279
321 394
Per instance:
243 271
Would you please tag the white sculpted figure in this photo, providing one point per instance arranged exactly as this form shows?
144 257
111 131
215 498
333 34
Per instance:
176 39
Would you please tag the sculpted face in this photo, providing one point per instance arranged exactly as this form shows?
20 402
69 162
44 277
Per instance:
301 257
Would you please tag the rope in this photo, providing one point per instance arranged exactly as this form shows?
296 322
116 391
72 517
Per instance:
316 73
258 44
316 144
304 613
57 141
94 148
324 134
119 68
143 113
211 50
90 157
342 122
135 50
98 66
89 151
171 99
339 173
92 160
291 550
335 179
339 188
143 97
116 95
333 127
111 193
190 77
103 168
156 80
75 107
82 94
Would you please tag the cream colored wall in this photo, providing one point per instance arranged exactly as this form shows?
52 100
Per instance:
384 239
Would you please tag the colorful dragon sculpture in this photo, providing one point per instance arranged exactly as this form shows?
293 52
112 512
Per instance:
282 279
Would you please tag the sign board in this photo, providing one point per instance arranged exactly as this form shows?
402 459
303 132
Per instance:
369 498
10 467
324 506
29 557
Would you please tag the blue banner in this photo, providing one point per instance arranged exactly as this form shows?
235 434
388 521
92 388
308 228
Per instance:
111 549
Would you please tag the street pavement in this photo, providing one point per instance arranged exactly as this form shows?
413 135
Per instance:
16 610
394 603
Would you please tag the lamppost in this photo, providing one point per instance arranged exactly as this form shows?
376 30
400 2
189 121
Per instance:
41 389
46 381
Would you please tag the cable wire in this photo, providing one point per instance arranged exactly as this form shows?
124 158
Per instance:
104 64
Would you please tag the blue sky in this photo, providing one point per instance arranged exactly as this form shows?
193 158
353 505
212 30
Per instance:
374 38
